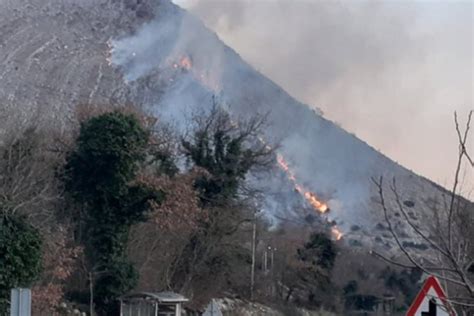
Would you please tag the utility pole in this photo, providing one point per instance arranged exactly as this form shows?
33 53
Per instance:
93 274
265 262
91 293
272 288
272 258
252 272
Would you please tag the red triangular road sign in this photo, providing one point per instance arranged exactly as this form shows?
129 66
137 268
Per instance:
431 301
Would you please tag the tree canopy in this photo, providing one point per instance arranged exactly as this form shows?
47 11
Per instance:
227 150
101 174
20 256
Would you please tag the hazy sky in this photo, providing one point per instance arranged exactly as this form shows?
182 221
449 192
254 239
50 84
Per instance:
391 72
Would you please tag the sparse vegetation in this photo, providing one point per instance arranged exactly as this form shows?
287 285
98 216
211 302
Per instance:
129 219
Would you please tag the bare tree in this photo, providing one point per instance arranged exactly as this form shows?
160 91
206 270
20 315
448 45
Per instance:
158 244
28 185
451 238
29 189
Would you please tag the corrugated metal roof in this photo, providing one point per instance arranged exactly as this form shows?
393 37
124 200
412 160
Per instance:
161 297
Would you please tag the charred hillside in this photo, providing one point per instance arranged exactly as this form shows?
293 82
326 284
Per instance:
57 54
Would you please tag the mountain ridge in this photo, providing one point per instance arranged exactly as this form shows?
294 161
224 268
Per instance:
57 54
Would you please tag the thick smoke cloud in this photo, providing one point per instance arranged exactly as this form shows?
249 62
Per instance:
391 72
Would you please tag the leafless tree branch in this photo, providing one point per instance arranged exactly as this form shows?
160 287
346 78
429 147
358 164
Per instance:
451 240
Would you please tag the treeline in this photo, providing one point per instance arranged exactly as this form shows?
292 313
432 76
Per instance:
119 202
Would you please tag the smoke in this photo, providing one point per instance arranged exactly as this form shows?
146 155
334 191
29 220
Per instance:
324 158
393 72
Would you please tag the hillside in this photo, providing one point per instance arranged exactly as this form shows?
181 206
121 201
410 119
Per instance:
56 54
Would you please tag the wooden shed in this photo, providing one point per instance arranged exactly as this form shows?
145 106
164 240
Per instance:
152 304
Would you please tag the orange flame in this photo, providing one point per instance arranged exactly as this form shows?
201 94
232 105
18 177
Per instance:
321 207
184 63
310 197
313 200
337 233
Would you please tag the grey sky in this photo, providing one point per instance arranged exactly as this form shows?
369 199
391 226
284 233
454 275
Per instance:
391 72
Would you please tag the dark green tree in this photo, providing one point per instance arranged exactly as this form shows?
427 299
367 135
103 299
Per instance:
20 257
100 174
317 256
227 150
109 150
319 251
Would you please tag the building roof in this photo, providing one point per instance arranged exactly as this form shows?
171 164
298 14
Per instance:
160 297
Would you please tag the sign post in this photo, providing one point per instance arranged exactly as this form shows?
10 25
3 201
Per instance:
431 301
20 302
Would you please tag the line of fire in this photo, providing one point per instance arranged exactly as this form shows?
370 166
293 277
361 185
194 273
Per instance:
319 206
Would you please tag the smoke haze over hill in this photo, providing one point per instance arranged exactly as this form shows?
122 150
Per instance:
393 72
173 65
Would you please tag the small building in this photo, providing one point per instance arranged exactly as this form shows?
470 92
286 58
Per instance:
152 304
